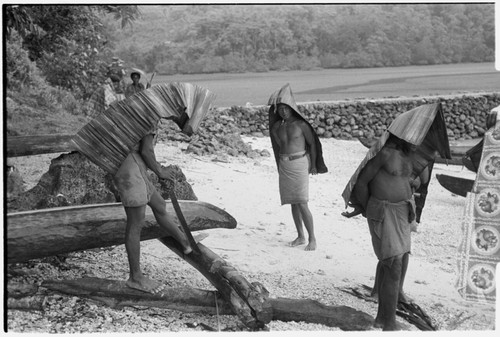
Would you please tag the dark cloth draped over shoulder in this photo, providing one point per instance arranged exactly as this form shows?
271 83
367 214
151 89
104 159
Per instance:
275 117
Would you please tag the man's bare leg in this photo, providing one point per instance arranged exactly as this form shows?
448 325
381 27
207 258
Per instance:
376 287
167 223
308 223
389 291
404 267
297 219
135 219
379 279
376 284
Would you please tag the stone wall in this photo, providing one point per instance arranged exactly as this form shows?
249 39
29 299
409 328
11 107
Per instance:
465 116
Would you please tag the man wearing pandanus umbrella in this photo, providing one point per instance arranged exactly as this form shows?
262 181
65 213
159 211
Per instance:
381 190
298 152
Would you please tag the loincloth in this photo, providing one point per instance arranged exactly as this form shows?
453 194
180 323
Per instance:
132 182
294 178
390 226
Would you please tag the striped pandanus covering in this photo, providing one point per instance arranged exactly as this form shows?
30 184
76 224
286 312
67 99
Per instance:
107 139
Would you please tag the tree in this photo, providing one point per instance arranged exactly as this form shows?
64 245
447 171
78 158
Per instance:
68 43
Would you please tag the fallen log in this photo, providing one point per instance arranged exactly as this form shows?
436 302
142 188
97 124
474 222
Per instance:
116 294
33 145
311 311
186 299
47 232
249 301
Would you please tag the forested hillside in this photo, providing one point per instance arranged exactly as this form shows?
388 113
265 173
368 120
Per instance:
238 38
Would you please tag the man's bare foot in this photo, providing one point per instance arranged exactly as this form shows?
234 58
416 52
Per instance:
396 326
311 246
187 250
197 238
297 242
145 284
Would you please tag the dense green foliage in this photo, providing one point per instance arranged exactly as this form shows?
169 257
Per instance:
33 106
55 56
238 38
69 44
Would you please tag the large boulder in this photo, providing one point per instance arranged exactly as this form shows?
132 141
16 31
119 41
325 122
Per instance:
72 179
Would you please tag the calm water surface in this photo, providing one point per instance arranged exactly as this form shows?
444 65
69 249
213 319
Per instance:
341 84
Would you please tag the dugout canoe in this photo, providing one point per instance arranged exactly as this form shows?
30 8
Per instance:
456 185
53 231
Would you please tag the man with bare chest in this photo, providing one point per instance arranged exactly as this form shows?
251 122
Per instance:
298 153
293 136
385 197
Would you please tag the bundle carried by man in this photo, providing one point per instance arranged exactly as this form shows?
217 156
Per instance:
108 138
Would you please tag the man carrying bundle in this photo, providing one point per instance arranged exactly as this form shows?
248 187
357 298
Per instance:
121 141
298 152
136 191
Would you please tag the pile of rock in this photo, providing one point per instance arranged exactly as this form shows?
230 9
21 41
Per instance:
218 134
465 115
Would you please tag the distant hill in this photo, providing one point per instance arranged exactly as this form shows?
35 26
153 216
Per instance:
183 39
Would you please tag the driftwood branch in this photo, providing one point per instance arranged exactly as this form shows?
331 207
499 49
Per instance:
42 233
117 294
186 299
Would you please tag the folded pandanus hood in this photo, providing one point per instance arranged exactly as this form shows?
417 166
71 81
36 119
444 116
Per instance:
107 139
284 95
423 126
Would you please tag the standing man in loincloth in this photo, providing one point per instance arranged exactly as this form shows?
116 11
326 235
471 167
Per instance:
298 153
382 190
385 194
